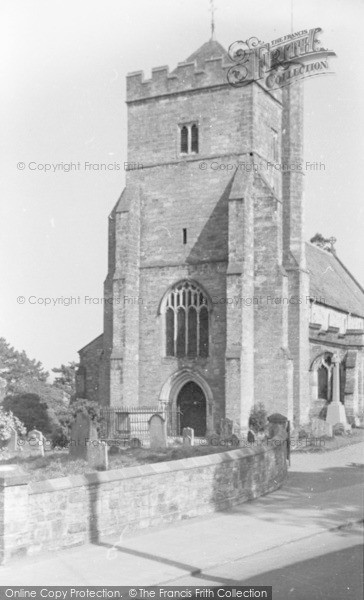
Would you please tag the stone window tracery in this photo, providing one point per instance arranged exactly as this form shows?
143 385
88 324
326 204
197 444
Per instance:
186 322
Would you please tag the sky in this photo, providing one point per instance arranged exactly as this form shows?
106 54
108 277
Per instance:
63 66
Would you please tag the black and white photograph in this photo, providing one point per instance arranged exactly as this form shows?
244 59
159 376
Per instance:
182 301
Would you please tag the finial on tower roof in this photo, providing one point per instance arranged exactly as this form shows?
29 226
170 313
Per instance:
332 241
212 10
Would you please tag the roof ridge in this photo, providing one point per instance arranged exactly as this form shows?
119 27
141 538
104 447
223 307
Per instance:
92 341
334 255
347 271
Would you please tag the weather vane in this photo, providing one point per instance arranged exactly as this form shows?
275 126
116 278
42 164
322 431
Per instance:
212 10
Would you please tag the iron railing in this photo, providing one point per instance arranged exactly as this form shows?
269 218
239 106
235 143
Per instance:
126 423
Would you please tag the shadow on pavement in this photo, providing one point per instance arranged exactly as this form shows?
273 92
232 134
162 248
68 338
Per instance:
303 490
336 575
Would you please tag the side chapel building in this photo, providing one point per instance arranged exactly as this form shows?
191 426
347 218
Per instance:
213 300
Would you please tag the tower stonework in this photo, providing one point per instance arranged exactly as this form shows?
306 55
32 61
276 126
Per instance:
207 224
294 254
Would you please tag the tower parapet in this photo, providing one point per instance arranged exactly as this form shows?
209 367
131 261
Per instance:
186 77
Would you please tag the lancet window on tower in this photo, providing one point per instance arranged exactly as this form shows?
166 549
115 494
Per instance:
186 322
189 138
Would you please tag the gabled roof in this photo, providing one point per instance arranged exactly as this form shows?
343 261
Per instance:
331 282
210 49
122 204
96 341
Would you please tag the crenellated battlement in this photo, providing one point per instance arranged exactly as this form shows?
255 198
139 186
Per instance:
332 335
186 76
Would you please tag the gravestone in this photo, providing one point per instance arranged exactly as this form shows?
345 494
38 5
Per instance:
226 428
114 450
320 428
97 455
356 422
339 429
135 443
235 442
251 436
12 445
35 443
83 432
157 432
188 436
277 426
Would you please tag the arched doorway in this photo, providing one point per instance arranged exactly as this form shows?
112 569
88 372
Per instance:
191 402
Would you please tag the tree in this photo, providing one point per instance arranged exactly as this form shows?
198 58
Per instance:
258 418
17 366
9 423
29 409
66 379
61 431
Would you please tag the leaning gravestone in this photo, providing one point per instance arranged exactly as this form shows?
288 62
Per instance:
36 443
188 436
83 433
157 432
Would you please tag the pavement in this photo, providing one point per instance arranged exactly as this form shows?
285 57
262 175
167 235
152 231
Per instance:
310 527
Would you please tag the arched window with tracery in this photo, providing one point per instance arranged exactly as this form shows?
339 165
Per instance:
186 321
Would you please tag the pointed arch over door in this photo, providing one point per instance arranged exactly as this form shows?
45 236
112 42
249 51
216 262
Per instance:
169 394
191 402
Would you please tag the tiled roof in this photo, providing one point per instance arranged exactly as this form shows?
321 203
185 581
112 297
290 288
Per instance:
210 49
331 283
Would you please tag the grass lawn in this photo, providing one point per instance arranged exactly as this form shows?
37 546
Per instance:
326 444
58 464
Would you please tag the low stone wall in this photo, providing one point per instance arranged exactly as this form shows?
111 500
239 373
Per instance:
59 513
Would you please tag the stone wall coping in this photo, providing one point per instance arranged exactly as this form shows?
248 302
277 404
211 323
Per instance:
14 480
99 477
10 475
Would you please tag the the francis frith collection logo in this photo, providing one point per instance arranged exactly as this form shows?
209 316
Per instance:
279 63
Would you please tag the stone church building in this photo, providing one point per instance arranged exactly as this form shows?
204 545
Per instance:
213 301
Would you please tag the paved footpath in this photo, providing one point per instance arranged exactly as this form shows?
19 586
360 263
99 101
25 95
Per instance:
319 508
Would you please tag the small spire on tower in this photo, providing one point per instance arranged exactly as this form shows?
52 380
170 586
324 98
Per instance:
212 10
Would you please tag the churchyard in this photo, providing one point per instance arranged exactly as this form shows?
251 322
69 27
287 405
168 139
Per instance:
95 485
58 463
35 455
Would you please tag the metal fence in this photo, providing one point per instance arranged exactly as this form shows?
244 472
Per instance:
125 423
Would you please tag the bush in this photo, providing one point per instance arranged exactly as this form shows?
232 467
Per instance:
8 423
30 410
61 430
258 418
88 407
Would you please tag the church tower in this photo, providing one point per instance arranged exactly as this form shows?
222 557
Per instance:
198 313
